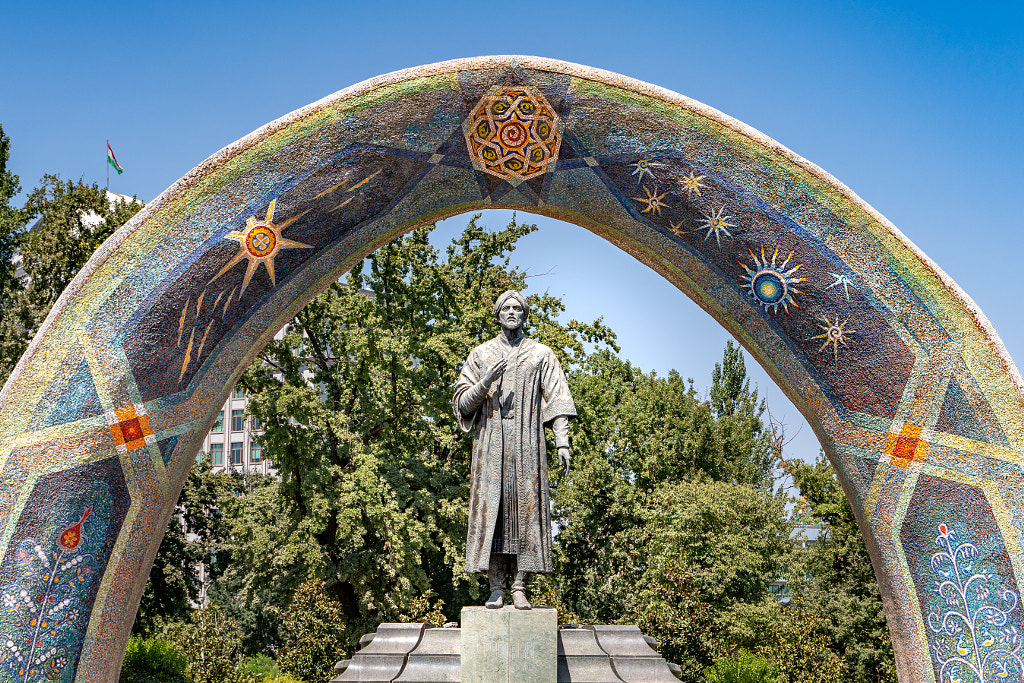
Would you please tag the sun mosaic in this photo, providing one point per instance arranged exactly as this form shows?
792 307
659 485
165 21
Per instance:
717 223
260 241
771 282
513 133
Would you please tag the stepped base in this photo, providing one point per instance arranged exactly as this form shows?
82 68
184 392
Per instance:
506 646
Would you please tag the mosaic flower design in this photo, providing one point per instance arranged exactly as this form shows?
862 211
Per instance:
976 641
45 605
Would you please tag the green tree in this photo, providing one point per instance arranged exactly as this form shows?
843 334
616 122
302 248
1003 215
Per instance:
149 660
259 526
835 577
212 648
197 533
12 224
74 220
316 634
800 645
750 450
711 549
355 402
745 667
638 436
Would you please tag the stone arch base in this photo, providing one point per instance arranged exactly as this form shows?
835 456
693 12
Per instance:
904 381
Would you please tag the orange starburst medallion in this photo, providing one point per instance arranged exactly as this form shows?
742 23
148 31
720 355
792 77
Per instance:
260 242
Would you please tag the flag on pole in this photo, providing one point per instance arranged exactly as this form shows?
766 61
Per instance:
112 160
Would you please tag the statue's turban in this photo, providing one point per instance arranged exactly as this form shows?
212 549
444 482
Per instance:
508 295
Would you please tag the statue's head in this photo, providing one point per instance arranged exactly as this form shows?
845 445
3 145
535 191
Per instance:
511 310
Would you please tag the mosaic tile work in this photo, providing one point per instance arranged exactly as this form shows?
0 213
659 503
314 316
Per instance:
903 379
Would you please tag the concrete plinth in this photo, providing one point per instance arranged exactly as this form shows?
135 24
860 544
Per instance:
631 655
509 645
383 657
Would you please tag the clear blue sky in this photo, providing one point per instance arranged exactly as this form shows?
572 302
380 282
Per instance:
916 106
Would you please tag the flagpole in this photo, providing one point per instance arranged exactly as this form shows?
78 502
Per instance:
108 169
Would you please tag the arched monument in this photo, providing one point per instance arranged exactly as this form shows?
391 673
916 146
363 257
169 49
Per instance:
906 384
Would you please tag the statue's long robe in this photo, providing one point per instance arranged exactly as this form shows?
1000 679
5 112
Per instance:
509 471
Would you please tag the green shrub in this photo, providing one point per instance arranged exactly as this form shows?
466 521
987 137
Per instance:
315 626
150 660
285 678
263 668
212 645
743 668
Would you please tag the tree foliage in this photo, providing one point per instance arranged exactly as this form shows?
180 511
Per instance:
197 534
836 576
12 224
212 648
151 660
648 450
70 220
315 626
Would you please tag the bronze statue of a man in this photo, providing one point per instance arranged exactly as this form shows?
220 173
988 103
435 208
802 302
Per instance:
510 388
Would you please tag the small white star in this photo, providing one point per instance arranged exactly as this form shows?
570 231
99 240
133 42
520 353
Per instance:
692 184
717 224
643 167
844 281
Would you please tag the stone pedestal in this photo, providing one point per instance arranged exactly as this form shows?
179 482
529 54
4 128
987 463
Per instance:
383 656
509 645
631 655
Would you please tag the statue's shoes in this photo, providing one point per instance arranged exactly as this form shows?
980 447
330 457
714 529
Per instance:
520 601
496 601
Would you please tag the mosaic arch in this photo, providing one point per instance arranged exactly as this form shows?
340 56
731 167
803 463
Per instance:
903 379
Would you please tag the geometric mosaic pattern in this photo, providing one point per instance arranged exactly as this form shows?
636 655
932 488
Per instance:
904 381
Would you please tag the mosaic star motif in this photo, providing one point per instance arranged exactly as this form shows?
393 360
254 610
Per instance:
692 184
770 282
905 446
652 201
643 167
716 223
130 428
835 333
842 281
260 241
513 133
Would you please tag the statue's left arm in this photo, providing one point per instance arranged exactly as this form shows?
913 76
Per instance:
558 407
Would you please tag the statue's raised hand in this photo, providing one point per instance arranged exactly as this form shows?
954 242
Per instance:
494 372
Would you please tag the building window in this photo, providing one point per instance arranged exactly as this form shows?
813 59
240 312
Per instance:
217 453
239 392
218 424
255 425
236 453
255 453
237 417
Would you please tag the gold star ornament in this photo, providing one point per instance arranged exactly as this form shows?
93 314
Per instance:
260 242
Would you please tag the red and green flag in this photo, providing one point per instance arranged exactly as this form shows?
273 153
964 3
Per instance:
112 160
